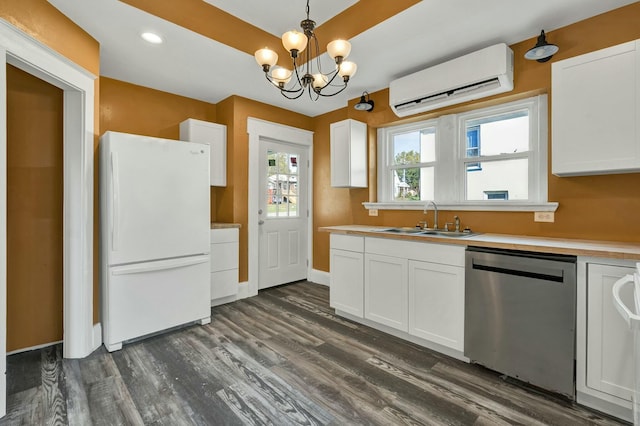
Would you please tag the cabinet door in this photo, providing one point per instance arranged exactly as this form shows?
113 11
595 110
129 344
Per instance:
386 290
436 303
215 135
349 154
347 282
609 341
595 112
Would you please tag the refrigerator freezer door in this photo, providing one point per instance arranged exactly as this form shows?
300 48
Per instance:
156 203
150 297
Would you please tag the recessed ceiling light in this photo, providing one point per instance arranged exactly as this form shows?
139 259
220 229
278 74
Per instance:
152 38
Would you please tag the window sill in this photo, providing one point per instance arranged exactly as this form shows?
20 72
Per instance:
489 207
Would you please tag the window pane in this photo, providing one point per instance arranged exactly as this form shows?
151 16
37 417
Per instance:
413 184
489 182
414 147
499 134
282 184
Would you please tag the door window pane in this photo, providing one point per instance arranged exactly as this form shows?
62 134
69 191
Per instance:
489 182
282 184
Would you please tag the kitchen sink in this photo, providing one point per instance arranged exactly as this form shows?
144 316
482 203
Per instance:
429 232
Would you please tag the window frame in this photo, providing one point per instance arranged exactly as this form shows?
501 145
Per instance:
450 171
385 180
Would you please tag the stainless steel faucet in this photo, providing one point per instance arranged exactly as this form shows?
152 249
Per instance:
435 212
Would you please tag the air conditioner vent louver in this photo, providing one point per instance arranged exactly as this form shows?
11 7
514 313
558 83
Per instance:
473 76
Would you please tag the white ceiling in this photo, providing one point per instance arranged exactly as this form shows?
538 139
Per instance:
279 16
429 32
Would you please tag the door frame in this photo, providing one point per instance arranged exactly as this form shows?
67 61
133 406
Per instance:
258 130
30 55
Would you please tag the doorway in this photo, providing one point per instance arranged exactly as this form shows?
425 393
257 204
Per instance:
283 213
28 54
263 134
34 211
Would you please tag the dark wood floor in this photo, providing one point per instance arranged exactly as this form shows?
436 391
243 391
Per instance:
280 358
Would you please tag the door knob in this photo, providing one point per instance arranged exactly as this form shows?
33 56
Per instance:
261 222
260 211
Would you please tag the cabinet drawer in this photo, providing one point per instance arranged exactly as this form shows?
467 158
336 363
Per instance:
224 256
224 283
226 235
444 254
347 242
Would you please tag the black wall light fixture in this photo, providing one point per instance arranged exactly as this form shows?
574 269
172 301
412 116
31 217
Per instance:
365 104
542 51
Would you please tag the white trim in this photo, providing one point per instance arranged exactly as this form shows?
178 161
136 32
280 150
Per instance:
97 336
496 206
319 277
258 129
3 232
31 56
33 348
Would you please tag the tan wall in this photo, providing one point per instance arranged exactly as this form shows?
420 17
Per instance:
34 211
233 199
591 207
42 21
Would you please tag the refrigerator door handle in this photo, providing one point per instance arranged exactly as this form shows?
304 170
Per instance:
115 208
161 265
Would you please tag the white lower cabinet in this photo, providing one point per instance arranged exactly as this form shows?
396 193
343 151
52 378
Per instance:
604 378
386 290
436 303
347 274
414 289
224 262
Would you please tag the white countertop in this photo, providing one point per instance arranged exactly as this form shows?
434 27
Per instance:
605 249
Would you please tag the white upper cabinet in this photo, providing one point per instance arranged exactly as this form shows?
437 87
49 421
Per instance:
349 154
215 135
596 112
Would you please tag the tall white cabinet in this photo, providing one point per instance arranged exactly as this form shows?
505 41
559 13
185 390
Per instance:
349 154
224 253
215 135
596 112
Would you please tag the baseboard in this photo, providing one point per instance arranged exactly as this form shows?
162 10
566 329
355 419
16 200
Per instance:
97 336
319 277
33 348
243 293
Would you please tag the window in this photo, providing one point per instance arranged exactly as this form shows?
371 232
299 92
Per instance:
282 184
494 156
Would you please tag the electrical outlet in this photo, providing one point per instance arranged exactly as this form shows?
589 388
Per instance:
544 217
373 212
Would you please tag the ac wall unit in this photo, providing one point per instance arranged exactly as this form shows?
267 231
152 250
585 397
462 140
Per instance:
482 73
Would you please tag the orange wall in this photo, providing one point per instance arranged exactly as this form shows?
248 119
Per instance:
233 199
591 207
34 211
42 21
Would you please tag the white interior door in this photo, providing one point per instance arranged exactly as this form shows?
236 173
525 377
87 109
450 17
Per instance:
283 213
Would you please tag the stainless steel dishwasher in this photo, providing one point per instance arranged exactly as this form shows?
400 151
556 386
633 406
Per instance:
520 310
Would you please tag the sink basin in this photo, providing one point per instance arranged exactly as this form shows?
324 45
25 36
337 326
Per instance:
428 232
404 230
452 234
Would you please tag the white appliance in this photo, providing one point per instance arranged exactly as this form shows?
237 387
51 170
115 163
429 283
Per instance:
154 212
633 322
479 74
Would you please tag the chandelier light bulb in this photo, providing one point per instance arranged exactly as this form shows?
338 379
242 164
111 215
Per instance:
281 75
347 69
319 81
266 58
294 41
339 49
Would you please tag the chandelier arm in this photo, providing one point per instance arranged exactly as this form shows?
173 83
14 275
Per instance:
299 93
282 89
332 94
311 93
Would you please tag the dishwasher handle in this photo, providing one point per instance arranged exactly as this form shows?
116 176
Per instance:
555 275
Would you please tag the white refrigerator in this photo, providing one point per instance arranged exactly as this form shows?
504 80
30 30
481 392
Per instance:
155 222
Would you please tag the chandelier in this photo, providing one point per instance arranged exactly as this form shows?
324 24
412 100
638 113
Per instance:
303 48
